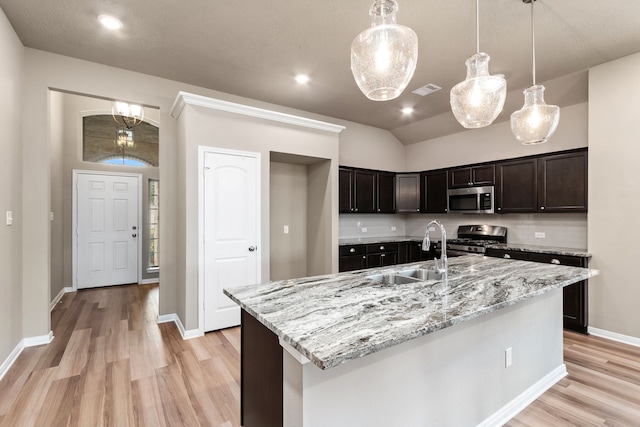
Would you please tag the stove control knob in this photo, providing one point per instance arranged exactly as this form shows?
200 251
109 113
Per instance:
469 248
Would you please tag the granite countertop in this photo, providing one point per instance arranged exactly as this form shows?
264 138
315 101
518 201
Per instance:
335 318
552 250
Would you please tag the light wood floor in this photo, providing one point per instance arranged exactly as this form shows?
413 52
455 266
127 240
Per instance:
111 364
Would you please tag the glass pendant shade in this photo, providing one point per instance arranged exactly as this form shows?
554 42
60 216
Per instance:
536 121
477 101
384 56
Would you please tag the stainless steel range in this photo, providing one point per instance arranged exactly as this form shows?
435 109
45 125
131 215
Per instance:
473 239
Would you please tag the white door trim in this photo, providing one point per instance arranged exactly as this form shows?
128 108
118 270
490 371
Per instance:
74 225
202 150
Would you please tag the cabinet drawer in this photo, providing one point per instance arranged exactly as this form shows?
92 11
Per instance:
382 247
506 254
556 259
352 250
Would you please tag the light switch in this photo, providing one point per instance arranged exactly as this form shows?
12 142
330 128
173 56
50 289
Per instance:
540 234
51 216
286 229
9 218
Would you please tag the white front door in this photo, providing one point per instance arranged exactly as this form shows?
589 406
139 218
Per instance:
107 229
231 224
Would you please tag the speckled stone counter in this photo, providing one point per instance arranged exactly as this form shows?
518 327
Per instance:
332 319
542 249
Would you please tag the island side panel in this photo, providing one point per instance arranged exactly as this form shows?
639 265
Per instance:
261 375
453 377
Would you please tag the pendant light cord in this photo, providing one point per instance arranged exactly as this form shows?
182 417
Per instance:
477 26
533 45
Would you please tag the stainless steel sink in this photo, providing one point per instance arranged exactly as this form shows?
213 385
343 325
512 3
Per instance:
421 274
393 278
406 276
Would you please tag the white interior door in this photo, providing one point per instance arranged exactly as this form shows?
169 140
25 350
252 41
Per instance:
231 202
107 230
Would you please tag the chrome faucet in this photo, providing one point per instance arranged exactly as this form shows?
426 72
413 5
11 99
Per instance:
426 243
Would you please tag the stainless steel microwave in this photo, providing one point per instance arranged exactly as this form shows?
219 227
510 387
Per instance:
471 200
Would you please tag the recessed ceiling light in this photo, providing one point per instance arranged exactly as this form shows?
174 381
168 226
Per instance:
302 79
407 110
110 22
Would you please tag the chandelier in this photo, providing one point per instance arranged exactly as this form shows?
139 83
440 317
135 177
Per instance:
127 115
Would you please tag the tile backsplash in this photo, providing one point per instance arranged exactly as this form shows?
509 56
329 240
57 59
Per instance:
565 230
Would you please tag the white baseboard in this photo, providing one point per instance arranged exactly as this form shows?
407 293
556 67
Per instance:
25 342
58 297
148 281
13 356
514 407
614 336
186 335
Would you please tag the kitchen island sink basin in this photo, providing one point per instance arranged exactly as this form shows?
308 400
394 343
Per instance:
406 276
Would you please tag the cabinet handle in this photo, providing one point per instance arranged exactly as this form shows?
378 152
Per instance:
541 208
382 255
356 209
382 248
499 209
555 261
446 210
352 250
506 256
378 209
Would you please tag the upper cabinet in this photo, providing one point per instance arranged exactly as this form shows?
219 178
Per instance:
517 186
366 191
472 176
407 192
547 183
562 182
433 195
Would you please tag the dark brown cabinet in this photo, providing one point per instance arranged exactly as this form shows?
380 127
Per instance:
517 186
433 192
346 189
382 255
407 192
352 258
472 176
574 297
412 252
562 182
366 191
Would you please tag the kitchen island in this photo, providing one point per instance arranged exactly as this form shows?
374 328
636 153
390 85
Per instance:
435 352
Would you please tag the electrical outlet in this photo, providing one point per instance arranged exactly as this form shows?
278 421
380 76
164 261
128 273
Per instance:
508 357
9 217
540 234
364 229
432 228
286 229
393 228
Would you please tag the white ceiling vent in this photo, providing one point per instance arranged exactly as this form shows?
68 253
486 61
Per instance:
427 89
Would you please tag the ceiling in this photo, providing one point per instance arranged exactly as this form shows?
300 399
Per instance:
254 48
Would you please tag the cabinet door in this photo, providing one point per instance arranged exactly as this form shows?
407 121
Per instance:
483 175
352 262
563 182
365 191
407 192
517 186
346 185
386 192
460 177
434 192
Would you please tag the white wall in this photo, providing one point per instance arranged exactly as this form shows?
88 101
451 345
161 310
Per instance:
496 142
11 80
370 148
614 194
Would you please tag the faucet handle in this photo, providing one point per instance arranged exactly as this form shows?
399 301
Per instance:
426 244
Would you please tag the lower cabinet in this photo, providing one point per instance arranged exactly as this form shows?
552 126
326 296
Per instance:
357 257
575 297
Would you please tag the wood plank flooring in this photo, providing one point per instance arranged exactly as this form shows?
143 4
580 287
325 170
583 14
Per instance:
111 364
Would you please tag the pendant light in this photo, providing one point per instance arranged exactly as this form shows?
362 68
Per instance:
536 121
127 115
477 101
384 56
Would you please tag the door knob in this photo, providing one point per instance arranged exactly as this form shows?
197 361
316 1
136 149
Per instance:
134 235
252 248
134 228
